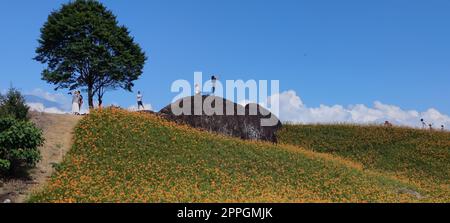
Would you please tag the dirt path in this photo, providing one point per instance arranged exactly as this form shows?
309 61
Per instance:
58 131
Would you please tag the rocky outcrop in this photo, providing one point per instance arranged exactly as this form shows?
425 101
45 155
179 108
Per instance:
219 115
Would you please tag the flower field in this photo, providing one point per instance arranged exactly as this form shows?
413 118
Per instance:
420 157
119 156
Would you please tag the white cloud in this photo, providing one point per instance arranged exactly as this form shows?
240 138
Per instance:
46 95
63 100
39 107
293 109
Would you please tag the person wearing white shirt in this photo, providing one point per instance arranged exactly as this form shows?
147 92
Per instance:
75 103
139 100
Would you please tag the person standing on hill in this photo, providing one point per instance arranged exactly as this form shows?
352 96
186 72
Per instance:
75 103
388 124
139 100
80 102
424 124
442 128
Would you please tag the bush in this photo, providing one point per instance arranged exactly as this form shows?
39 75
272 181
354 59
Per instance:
19 142
13 104
6 123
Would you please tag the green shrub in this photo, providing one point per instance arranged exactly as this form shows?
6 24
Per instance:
19 142
13 104
6 123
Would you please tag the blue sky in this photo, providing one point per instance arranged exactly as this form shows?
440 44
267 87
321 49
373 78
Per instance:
329 52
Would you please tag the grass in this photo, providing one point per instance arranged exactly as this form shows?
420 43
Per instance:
421 157
120 156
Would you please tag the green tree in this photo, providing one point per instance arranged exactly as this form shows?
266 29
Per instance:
83 46
13 105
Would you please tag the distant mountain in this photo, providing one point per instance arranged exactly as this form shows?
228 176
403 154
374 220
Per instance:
45 102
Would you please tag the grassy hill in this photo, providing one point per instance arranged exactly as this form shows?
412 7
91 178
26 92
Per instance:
421 157
120 156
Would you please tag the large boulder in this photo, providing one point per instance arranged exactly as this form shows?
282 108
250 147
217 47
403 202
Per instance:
219 115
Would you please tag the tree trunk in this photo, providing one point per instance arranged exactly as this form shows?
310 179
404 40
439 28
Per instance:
100 102
100 97
90 98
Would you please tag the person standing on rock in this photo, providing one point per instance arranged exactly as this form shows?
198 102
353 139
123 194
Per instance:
197 89
75 103
213 82
139 100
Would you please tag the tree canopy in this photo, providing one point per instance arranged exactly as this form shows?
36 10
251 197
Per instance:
84 47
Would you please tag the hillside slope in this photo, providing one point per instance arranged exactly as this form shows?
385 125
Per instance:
129 157
57 131
421 157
